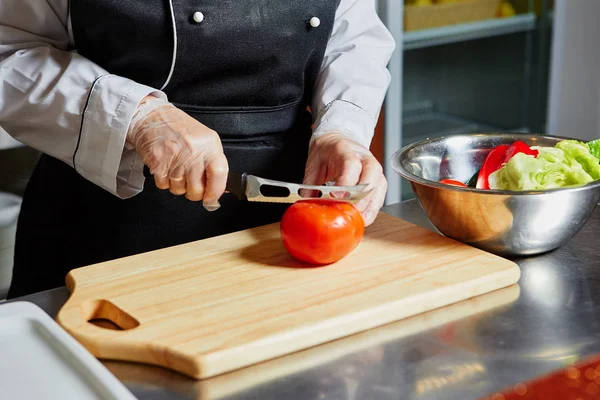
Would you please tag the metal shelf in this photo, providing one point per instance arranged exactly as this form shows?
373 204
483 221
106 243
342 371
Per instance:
473 30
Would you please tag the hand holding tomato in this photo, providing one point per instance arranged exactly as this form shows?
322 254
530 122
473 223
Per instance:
334 157
321 231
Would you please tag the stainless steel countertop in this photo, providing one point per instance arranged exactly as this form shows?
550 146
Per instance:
459 352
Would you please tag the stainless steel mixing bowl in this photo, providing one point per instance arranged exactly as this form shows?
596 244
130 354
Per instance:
507 223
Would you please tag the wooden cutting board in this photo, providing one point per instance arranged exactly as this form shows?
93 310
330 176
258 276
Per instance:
220 304
350 354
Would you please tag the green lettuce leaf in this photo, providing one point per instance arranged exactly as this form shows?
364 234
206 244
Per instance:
568 163
578 152
553 168
594 147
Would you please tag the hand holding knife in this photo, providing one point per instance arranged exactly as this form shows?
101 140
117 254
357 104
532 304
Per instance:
248 187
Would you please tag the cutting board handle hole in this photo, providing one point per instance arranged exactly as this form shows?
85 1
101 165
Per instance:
104 314
105 323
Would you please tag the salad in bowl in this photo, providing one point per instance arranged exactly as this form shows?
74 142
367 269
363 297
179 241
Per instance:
519 166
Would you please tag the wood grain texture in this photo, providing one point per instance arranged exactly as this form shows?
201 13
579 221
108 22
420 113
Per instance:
351 354
217 305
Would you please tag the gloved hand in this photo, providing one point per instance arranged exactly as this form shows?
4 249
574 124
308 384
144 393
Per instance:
334 157
184 156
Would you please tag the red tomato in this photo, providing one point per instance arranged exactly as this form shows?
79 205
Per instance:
453 182
321 231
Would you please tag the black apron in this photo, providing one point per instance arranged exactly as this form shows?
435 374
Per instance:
246 70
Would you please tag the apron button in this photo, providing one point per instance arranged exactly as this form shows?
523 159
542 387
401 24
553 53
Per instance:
198 16
314 22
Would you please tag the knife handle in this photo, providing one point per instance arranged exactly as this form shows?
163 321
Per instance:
236 184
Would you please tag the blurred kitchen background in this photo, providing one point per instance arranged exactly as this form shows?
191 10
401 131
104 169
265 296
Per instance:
460 66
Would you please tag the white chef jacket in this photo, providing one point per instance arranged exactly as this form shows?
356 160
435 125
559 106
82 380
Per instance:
48 95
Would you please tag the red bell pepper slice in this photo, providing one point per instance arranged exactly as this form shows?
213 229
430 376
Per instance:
519 147
493 162
498 157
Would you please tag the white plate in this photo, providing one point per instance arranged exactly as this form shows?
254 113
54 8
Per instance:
40 360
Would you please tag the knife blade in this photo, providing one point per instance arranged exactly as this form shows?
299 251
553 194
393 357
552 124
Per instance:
254 188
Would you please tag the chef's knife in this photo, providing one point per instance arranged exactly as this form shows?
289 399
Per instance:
248 187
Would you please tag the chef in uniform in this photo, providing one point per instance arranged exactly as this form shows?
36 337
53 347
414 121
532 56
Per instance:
141 108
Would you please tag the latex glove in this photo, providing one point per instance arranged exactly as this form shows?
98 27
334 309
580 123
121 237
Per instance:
184 155
334 157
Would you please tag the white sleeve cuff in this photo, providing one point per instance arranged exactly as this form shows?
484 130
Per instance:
100 155
345 118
